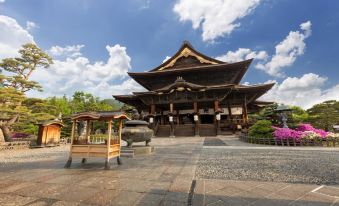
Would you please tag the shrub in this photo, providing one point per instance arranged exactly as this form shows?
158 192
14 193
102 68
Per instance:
262 128
19 135
310 135
285 133
332 136
310 128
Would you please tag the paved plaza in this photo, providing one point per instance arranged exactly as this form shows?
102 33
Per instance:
182 171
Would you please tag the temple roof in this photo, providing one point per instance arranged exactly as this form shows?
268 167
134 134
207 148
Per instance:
204 75
186 56
236 94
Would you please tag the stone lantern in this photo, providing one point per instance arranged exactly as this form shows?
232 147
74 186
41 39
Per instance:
283 111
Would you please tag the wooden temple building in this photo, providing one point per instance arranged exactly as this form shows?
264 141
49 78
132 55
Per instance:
192 94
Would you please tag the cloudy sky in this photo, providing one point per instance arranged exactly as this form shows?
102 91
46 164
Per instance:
94 43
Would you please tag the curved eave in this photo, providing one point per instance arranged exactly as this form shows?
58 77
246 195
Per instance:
244 63
51 122
104 115
241 66
256 87
186 44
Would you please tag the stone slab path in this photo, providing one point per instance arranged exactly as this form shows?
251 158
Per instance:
164 178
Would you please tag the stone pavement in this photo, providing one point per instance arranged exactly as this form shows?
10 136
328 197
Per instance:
228 192
164 178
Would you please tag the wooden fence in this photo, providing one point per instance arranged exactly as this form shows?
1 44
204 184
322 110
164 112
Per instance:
15 145
290 141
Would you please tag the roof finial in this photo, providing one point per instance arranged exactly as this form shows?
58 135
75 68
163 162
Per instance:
185 42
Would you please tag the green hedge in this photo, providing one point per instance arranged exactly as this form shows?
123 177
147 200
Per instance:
262 128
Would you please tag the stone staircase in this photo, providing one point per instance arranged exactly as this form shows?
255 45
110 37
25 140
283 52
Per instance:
184 130
207 130
163 131
125 152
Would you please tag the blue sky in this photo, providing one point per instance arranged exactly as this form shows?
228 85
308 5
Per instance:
141 33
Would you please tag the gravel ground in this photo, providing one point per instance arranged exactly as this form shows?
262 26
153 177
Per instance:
10 158
317 167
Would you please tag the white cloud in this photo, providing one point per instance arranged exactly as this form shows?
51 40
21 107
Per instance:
77 73
72 51
304 91
2 1
242 54
12 37
166 58
287 51
216 17
31 25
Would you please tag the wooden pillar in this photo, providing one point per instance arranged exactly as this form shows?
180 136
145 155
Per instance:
230 112
119 137
107 166
162 120
231 118
196 123
152 115
171 123
152 109
69 161
88 127
245 115
216 112
178 117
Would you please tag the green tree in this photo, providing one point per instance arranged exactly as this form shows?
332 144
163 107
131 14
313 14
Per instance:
18 82
299 115
324 115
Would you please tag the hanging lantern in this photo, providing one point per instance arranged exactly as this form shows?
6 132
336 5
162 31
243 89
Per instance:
218 116
170 118
196 118
151 120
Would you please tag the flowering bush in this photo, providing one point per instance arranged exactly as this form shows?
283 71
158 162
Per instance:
285 133
310 135
308 127
304 131
332 135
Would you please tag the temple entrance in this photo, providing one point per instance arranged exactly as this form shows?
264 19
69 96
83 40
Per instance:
186 119
206 119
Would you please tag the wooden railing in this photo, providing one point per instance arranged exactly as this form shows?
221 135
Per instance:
329 142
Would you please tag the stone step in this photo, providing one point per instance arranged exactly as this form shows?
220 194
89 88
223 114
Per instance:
129 155
127 152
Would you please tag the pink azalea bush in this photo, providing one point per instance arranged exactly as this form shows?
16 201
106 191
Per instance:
304 131
308 127
285 133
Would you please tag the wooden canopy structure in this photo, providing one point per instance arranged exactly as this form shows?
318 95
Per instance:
196 93
83 146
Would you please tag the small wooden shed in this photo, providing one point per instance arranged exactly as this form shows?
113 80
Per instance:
49 133
83 146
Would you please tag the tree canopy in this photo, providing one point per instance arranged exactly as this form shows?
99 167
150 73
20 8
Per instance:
16 82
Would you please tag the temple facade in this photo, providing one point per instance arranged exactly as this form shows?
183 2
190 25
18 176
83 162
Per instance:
192 94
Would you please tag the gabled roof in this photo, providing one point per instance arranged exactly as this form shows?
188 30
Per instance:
180 84
51 122
186 51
